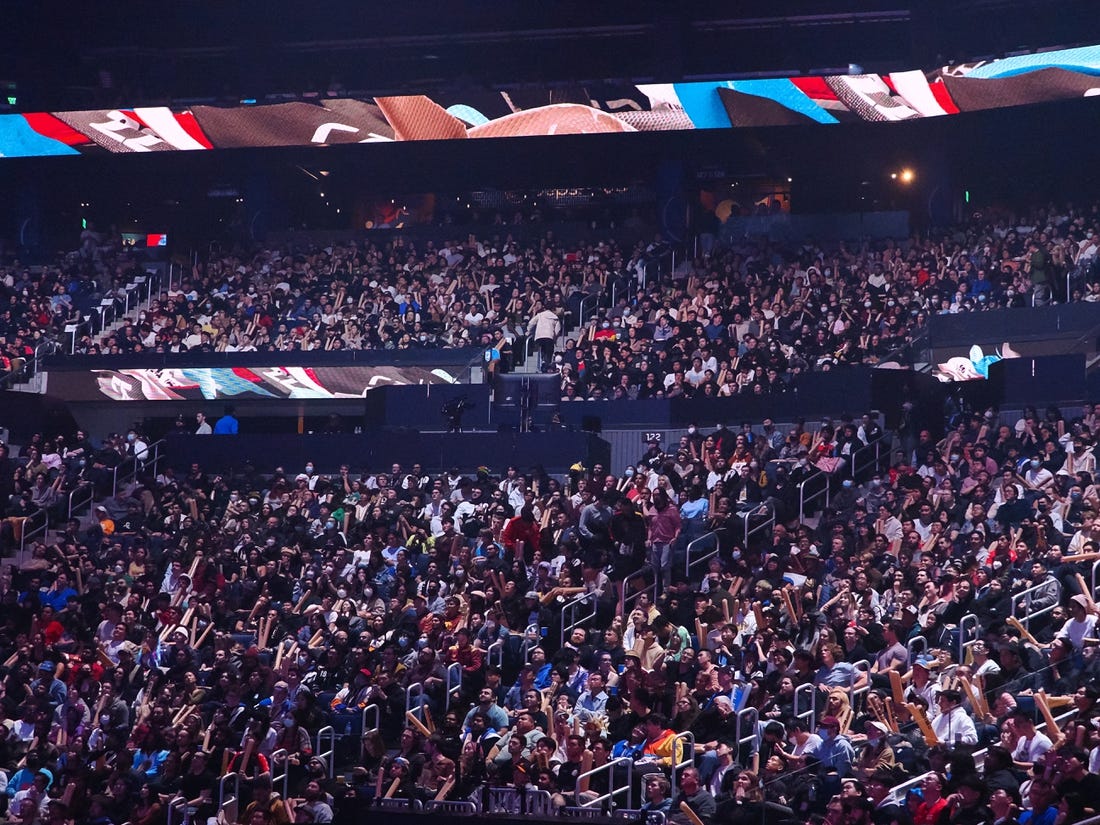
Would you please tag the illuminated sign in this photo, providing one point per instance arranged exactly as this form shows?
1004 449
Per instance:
252 383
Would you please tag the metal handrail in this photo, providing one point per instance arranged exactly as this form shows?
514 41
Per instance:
455 807
152 462
627 787
569 619
175 804
494 654
766 525
1095 573
330 755
686 742
580 310
854 692
236 778
530 801
629 600
77 504
748 719
454 683
126 474
917 646
856 468
1029 614
417 709
809 714
30 531
530 636
695 544
413 805
974 624
574 812
376 712
280 757
804 499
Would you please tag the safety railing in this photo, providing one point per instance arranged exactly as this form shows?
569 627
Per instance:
587 308
869 456
765 521
280 770
898 792
80 497
805 704
329 732
34 525
630 815
415 708
177 809
626 787
575 812
702 550
530 642
522 801
969 625
819 485
528 349
403 805
1095 583
1026 613
647 577
125 471
745 731
455 807
372 723
576 612
856 691
454 683
917 646
494 654
684 743
154 453
223 783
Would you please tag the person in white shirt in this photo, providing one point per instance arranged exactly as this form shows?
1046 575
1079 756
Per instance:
953 726
1081 624
1030 743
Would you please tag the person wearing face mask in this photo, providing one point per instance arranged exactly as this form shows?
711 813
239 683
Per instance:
136 446
308 475
1039 479
835 753
876 754
236 507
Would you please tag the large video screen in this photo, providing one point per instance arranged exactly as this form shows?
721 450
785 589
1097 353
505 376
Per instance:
827 100
251 383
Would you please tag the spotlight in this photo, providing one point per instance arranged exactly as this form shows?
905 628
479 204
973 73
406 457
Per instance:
906 176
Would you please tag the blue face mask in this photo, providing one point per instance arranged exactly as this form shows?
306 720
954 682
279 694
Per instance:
847 482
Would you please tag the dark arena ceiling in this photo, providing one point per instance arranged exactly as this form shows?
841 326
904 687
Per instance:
61 54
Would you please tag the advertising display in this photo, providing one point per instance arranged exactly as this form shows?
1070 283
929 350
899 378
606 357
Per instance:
251 383
1021 80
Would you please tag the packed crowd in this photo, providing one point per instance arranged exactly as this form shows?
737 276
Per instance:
742 319
204 625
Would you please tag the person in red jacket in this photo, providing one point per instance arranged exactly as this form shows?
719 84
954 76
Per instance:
522 528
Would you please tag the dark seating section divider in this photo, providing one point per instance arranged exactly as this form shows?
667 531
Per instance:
377 450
